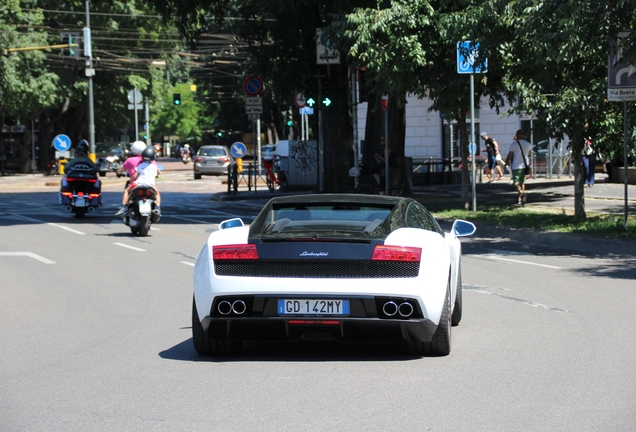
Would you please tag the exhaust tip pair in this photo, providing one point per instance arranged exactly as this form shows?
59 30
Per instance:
237 307
391 308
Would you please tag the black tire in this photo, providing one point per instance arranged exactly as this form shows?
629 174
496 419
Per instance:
197 176
441 342
144 226
80 212
457 310
199 338
134 230
210 346
270 185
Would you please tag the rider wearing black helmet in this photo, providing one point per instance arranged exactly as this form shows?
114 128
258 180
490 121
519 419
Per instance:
145 174
81 160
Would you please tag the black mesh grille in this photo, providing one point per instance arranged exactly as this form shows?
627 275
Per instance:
317 269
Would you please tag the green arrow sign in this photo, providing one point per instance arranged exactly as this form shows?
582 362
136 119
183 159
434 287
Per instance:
311 102
326 102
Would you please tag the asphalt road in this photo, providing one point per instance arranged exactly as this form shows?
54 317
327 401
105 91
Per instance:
96 335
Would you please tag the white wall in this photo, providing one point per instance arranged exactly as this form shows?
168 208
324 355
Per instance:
424 128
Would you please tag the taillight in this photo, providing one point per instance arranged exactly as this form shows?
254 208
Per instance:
68 194
224 159
93 195
235 252
72 179
396 253
198 159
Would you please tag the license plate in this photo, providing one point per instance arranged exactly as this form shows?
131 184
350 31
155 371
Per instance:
144 208
313 307
80 202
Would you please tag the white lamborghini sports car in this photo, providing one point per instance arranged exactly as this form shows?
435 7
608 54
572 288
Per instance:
330 267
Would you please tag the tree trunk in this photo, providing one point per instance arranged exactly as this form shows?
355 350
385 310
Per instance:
579 177
337 132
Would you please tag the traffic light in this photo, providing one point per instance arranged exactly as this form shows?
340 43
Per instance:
309 89
363 86
176 98
290 120
326 87
72 38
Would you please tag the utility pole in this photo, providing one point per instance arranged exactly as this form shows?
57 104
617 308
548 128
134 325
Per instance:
90 72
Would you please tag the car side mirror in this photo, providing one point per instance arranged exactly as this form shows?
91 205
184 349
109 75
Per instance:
231 223
462 228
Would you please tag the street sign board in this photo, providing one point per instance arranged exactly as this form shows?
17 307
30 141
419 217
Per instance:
621 72
253 85
300 100
253 117
135 96
325 52
62 143
253 109
385 102
138 106
468 58
238 150
253 101
306 110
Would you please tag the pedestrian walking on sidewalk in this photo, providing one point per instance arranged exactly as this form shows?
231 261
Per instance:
589 160
494 171
517 160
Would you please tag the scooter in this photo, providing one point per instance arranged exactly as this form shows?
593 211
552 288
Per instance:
141 210
80 191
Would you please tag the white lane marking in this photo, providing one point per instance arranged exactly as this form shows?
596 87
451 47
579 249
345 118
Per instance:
187 263
25 218
130 247
66 228
489 291
498 258
30 255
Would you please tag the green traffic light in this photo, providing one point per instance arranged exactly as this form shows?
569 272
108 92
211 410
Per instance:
289 122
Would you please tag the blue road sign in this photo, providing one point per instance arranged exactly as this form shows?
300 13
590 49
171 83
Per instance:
306 110
62 143
238 150
468 58
253 85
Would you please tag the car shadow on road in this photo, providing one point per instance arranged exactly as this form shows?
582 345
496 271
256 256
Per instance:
295 352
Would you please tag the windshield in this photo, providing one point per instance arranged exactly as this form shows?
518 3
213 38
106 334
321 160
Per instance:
324 221
212 152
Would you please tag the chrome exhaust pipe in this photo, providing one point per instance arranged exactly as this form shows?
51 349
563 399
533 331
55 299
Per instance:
390 308
406 309
239 307
224 307
68 208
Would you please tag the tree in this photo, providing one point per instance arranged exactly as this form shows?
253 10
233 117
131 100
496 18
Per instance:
556 65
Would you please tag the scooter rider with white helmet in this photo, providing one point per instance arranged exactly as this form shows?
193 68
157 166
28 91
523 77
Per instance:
130 165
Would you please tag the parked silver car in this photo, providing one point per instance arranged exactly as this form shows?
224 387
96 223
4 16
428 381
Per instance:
211 160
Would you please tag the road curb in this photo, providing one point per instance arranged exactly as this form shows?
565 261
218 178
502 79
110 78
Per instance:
571 241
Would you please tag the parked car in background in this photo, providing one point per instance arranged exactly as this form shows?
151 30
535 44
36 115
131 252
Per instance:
211 160
110 156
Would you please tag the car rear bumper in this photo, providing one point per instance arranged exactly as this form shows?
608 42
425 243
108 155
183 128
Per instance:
319 329
210 169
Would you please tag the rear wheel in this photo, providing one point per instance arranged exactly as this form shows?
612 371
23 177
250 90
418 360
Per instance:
210 346
270 184
441 342
197 176
457 310
144 226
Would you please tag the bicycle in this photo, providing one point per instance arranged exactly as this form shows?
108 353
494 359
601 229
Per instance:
274 179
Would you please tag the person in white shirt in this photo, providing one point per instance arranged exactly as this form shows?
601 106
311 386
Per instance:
145 174
518 161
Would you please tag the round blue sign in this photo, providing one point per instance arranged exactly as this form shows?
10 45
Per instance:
62 143
238 150
253 85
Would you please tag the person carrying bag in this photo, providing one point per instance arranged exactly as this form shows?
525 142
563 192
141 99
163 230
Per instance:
519 168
